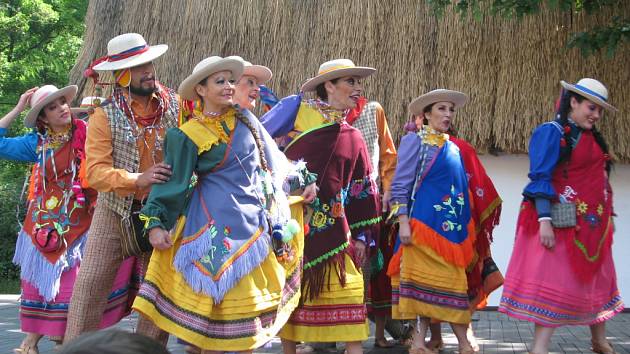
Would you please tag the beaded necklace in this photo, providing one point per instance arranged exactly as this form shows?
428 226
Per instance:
214 121
54 140
433 137
331 114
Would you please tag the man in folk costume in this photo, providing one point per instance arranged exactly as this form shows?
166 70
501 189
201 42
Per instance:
124 159
369 118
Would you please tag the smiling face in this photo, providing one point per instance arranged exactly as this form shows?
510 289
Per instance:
344 93
143 79
56 115
216 91
585 113
440 116
247 91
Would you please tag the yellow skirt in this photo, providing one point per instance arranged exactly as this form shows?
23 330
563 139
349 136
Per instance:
428 286
338 314
250 314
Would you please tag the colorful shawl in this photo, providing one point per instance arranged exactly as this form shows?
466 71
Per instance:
347 202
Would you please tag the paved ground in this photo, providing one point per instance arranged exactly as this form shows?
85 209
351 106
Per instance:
496 334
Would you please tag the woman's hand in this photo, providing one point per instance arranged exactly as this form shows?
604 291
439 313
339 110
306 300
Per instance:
547 237
359 251
19 108
160 239
404 230
310 192
385 201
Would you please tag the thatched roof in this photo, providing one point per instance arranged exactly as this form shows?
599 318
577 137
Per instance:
510 69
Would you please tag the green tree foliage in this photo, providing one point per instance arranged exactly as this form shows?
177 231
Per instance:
39 42
602 38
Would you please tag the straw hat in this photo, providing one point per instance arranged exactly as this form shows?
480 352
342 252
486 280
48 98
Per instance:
129 50
334 69
592 90
416 107
45 95
261 73
206 68
87 103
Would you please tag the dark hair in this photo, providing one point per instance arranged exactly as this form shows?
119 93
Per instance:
113 341
451 129
320 90
562 116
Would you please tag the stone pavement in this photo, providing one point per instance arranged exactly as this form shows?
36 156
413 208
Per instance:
496 334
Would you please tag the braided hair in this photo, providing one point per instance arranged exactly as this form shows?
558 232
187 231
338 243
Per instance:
562 117
259 143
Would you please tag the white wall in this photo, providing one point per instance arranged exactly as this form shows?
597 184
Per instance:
509 174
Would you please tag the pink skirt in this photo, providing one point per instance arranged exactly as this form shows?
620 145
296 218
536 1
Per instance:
541 288
49 318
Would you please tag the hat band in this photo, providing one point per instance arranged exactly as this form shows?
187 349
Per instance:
43 97
591 92
338 67
128 53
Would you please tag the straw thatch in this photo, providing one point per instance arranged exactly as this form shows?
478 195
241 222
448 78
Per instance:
511 69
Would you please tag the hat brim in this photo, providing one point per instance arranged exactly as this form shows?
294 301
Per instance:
261 73
77 110
187 87
359 71
68 92
154 52
590 97
416 107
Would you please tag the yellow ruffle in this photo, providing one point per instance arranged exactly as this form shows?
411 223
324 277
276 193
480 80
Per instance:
206 132
336 295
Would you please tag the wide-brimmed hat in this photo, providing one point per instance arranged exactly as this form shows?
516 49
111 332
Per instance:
592 90
88 103
129 50
416 107
333 69
260 72
45 95
206 68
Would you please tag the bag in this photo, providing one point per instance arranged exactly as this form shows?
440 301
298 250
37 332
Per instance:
48 240
133 240
491 276
563 215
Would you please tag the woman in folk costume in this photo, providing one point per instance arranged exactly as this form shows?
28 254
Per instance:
565 225
228 277
247 89
346 214
446 207
50 244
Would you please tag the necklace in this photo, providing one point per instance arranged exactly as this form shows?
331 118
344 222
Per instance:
432 137
214 123
55 140
331 114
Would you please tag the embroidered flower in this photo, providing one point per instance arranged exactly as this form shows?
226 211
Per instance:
337 209
227 244
563 142
227 230
325 207
356 189
582 207
446 226
319 219
52 203
480 192
600 209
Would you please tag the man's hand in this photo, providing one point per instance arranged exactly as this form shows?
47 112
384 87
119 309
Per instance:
158 173
160 239
310 192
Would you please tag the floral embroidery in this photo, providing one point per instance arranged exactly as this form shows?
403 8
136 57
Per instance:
450 210
52 203
360 188
226 246
480 192
582 207
600 209
207 259
227 230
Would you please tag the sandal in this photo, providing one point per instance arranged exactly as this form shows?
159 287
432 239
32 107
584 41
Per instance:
467 350
383 343
603 348
26 349
435 344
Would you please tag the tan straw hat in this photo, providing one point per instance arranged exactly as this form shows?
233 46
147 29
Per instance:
592 90
334 69
260 72
206 68
129 50
45 95
416 107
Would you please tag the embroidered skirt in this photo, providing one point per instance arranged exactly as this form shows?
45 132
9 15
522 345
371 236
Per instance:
540 286
250 314
338 314
49 318
427 286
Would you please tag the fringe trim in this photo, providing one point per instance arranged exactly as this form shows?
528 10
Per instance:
364 223
315 278
187 257
326 256
38 271
460 255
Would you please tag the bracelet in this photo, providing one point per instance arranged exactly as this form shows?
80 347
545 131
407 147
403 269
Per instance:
544 218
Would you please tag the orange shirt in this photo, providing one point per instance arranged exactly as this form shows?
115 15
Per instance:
387 150
101 174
